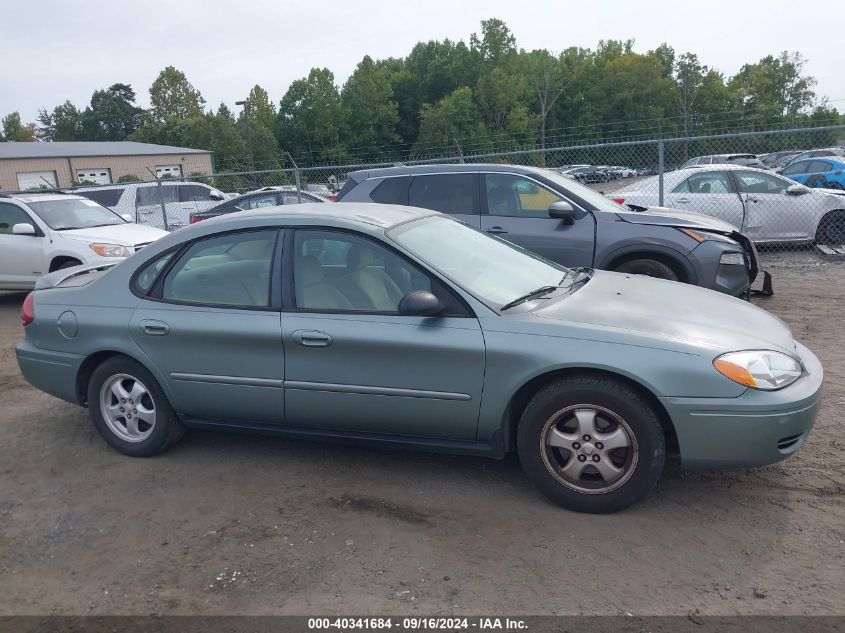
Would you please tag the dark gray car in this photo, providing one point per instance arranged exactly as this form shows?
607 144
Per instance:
569 223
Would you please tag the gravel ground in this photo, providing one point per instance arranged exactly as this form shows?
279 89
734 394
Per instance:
233 524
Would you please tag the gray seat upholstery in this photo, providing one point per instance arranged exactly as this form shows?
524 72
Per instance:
242 283
312 291
369 284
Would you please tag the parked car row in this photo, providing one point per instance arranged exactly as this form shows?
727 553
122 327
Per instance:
775 161
597 173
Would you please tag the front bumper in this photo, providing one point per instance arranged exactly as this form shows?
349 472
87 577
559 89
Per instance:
52 372
757 428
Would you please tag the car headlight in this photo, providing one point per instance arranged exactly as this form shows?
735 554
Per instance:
110 250
759 369
734 259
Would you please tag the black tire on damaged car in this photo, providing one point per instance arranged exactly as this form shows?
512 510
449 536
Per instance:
647 266
168 428
831 229
615 398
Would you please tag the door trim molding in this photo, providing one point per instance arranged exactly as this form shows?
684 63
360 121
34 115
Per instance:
321 386
228 380
375 391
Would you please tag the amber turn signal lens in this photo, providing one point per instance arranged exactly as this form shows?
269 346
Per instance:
698 237
735 372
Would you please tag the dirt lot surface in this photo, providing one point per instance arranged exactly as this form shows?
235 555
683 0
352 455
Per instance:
233 524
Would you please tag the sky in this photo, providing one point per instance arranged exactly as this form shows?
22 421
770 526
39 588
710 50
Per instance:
54 50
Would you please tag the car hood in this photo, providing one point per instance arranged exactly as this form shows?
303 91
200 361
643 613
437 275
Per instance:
832 192
672 311
123 234
674 217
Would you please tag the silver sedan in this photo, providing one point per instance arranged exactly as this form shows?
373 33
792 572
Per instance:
763 205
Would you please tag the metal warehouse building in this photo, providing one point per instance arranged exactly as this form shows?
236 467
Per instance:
40 165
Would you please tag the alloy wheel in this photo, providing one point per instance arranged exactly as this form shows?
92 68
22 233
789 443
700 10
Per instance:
589 449
128 408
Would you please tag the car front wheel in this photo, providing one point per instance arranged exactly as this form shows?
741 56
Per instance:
130 410
591 443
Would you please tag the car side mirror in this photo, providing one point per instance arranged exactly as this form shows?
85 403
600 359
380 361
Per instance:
126 216
23 228
216 196
562 211
796 190
420 303
237 208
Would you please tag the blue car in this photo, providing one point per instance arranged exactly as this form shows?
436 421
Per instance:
826 173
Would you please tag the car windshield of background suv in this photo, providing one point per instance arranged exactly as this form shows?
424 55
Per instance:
491 269
64 215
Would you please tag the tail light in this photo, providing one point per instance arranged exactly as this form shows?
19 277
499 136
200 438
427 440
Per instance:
332 197
28 310
193 219
619 200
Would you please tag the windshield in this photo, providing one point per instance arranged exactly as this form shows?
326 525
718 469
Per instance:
74 213
593 198
490 269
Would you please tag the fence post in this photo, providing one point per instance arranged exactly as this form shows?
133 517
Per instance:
160 199
660 169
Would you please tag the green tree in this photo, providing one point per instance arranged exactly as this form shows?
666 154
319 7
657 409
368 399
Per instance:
173 97
371 112
259 109
549 78
774 87
311 119
496 42
14 130
64 123
452 122
112 115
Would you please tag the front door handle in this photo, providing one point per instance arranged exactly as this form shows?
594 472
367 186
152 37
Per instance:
155 328
312 338
496 230
683 200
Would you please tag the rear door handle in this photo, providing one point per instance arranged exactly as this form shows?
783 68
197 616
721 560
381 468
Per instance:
312 338
155 328
496 230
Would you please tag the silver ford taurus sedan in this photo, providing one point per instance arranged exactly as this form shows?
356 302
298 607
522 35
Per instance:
401 326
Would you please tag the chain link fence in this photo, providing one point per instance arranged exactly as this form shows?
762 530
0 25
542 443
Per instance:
785 189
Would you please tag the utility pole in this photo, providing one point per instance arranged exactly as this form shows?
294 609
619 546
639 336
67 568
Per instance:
245 105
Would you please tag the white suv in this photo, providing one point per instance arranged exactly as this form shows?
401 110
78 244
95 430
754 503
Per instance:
142 200
43 232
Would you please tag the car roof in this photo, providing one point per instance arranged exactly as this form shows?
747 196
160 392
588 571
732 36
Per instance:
835 158
440 168
27 197
350 214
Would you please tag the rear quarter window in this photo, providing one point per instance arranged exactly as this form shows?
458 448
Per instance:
105 197
391 191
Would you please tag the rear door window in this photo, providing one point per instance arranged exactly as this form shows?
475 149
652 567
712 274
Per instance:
820 166
228 270
706 182
447 193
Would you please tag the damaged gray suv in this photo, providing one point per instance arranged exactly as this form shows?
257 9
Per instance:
569 223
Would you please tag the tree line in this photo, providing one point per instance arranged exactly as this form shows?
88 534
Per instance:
449 97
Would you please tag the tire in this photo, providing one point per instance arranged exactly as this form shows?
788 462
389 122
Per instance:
69 264
650 267
551 417
148 434
831 229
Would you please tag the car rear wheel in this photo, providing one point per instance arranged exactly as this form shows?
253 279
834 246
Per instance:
130 410
650 267
591 444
